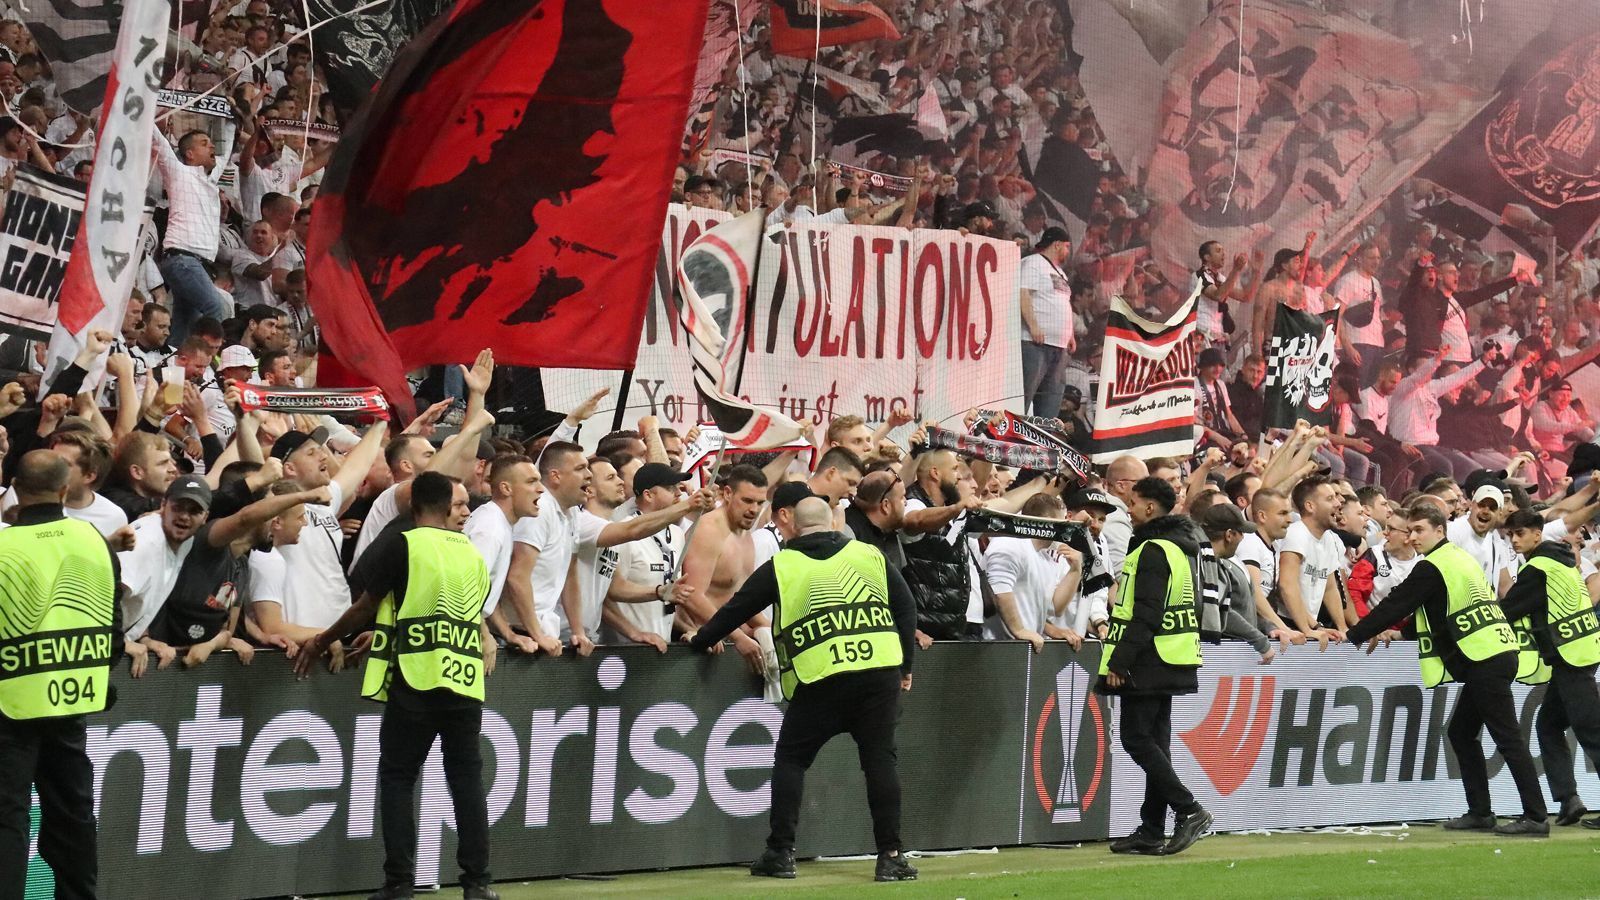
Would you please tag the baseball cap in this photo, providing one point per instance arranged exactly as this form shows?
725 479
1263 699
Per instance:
237 355
188 487
976 209
657 475
1055 234
1090 497
1222 517
787 495
1071 393
1489 491
293 440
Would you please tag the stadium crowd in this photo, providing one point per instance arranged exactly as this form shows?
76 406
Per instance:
240 530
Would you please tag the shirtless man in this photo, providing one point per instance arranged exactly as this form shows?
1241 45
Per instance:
721 555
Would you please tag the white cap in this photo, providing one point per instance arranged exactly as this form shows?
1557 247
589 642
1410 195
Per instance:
236 356
1484 492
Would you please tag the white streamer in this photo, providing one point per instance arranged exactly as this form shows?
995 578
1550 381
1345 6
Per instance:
1238 111
816 60
744 104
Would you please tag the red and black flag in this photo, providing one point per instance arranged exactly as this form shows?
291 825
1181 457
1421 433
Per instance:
795 28
506 187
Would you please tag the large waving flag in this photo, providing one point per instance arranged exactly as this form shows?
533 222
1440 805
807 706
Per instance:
505 187
99 280
1145 405
715 275
796 31
1300 367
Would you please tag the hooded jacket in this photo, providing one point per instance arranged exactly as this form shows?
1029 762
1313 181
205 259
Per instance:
1528 597
1144 672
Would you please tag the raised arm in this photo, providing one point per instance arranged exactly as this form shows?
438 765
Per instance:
358 463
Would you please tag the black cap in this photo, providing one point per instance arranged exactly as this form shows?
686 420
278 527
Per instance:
188 487
657 475
789 494
1055 234
1220 517
293 440
1211 356
977 209
1560 384
1090 497
1072 393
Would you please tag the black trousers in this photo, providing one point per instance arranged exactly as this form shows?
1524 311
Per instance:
866 705
1147 737
1486 700
48 753
1571 700
411 719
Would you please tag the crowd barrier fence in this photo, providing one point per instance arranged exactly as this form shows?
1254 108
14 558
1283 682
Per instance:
260 785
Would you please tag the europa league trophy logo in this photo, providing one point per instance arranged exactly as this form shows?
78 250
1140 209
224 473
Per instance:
1546 141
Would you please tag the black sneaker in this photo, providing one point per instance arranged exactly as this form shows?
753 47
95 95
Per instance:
1190 828
894 868
1592 823
480 892
1470 822
393 892
1141 843
1572 811
1523 826
774 864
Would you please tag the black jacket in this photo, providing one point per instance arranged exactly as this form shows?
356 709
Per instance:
1135 658
1423 589
1529 597
940 578
1424 310
760 590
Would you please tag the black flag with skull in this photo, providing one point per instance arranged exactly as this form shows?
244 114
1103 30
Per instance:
1300 365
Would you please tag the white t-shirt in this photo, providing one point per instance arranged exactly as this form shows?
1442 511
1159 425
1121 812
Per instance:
1319 560
105 516
269 576
596 567
1052 299
767 543
490 533
1353 289
315 592
1492 551
149 570
384 510
554 532
1016 567
1388 573
648 563
1253 551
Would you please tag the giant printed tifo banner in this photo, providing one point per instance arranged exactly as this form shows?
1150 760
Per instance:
848 320
1277 118
1323 739
1145 403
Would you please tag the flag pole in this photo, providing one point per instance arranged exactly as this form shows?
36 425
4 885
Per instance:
622 401
748 335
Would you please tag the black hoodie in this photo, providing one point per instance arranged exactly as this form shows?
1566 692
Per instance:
1528 596
760 590
1135 659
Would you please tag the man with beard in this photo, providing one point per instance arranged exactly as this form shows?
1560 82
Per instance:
1244 395
595 564
1478 533
939 564
1151 654
1560 638
721 555
141 471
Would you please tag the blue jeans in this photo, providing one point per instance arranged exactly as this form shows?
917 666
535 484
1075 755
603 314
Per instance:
193 294
1044 378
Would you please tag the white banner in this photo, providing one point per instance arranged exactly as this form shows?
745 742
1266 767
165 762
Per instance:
849 320
1145 403
100 275
1321 739
37 233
